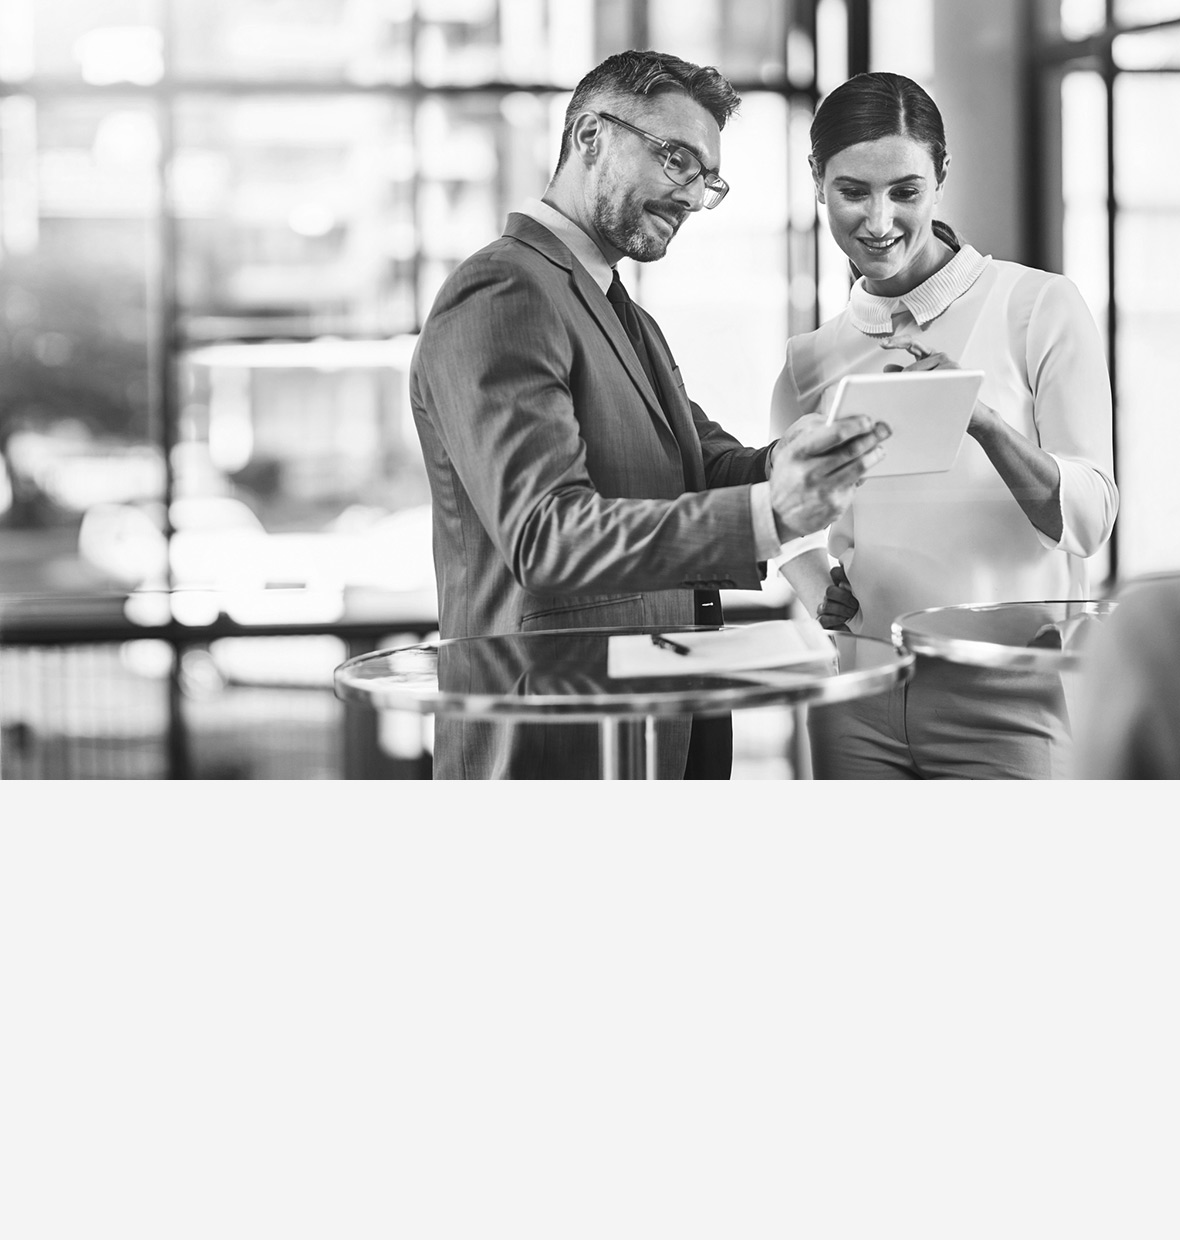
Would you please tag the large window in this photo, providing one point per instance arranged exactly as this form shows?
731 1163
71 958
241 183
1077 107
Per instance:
1109 77
222 223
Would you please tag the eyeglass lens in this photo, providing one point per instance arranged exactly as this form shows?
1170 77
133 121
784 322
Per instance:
683 167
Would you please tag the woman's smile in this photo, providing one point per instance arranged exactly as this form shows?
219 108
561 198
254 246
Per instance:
877 246
879 243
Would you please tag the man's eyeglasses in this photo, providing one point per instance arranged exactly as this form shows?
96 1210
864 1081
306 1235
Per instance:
681 166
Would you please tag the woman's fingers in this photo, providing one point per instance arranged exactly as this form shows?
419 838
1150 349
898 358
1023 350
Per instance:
838 599
912 347
837 607
924 358
838 604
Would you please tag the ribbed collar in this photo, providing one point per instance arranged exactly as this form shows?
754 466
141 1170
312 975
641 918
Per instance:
874 315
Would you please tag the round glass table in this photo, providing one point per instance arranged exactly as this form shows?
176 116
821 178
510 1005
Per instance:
559 676
1040 636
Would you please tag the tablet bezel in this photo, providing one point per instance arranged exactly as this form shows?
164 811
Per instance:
927 411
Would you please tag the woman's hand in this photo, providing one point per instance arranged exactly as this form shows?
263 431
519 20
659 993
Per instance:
838 604
1029 472
983 417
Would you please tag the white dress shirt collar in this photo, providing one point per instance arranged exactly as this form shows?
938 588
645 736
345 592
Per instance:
874 315
580 244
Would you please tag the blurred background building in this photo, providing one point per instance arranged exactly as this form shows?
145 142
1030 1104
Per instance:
222 223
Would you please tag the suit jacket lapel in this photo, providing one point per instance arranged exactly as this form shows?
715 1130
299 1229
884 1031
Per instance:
600 310
669 407
525 228
675 404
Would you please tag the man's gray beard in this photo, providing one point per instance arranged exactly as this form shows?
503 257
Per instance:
626 235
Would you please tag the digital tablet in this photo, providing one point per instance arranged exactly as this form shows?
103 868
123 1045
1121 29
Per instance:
928 413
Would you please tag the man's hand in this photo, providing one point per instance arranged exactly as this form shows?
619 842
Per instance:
815 468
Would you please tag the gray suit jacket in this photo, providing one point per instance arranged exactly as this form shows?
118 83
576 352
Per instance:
563 495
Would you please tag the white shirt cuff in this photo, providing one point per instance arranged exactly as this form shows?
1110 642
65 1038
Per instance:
766 540
1089 504
795 547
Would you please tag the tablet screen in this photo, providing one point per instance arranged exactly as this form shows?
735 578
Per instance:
927 412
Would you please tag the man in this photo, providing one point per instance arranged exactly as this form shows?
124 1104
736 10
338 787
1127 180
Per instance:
574 484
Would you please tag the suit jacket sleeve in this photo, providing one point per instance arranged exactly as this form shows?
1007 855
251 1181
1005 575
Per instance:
526 415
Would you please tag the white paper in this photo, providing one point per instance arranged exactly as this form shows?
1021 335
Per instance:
766 644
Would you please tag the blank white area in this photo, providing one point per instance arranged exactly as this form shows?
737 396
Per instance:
901 38
381 1011
831 42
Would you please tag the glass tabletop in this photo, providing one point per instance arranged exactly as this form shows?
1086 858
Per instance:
1049 635
563 674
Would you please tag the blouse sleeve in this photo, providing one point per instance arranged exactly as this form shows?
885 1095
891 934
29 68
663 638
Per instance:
1072 408
785 406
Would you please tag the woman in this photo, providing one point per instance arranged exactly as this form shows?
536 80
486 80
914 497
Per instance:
1031 494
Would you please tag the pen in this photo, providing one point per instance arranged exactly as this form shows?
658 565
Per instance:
665 644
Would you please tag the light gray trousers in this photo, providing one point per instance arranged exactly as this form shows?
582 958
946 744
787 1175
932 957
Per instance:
949 722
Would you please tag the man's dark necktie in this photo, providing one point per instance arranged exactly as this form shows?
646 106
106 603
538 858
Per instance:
626 313
710 751
628 316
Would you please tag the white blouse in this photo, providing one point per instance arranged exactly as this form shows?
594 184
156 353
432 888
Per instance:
929 540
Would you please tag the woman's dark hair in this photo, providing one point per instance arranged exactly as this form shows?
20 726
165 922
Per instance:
640 74
880 105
